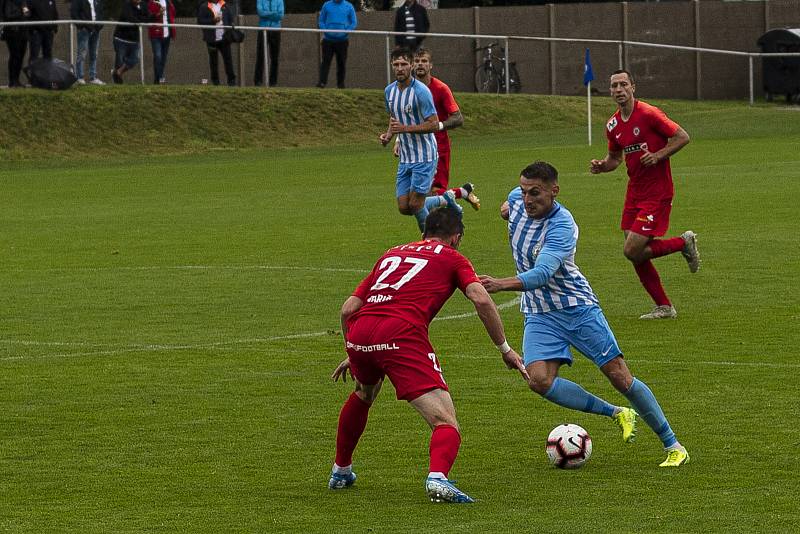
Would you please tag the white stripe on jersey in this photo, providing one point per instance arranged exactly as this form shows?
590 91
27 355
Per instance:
405 107
568 287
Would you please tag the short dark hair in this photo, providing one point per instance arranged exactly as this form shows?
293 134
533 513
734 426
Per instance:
443 222
402 51
624 71
541 170
421 51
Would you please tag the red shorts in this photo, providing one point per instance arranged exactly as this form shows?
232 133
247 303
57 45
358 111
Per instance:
647 217
442 176
379 346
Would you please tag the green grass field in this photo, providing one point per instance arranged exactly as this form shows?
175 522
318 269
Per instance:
169 327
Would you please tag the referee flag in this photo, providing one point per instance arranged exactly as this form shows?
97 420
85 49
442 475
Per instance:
588 74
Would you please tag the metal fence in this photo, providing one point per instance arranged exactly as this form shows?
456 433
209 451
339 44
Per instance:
620 45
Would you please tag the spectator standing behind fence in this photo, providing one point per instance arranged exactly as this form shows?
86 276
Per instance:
162 11
215 13
335 15
411 18
41 37
88 37
270 14
126 38
16 37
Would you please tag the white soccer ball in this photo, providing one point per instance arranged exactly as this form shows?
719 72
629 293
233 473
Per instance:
568 446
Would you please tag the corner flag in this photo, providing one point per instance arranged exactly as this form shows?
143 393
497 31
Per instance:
588 74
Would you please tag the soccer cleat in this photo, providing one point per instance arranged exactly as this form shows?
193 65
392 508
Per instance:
450 198
341 481
661 312
675 457
626 420
689 251
443 490
474 201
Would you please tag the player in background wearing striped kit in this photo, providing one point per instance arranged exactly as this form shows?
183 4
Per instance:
561 310
412 116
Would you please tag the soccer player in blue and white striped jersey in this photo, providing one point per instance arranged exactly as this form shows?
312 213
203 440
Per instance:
412 116
561 310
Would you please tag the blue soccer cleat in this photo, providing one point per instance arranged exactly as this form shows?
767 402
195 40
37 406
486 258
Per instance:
443 490
341 481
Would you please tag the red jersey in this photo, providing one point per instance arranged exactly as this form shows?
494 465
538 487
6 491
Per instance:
413 281
445 106
648 128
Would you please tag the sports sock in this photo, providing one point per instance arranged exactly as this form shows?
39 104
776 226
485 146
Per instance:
646 404
421 215
570 395
445 442
352 422
460 192
434 202
649 278
339 470
663 247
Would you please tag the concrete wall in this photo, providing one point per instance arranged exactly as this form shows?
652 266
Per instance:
544 67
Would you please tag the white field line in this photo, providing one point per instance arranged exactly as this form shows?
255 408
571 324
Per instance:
143 347
198 268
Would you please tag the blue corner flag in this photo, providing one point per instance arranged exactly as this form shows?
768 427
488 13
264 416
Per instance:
588 74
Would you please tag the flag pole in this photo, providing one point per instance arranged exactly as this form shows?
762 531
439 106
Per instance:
589 111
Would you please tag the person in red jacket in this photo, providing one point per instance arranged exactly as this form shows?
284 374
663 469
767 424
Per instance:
162 11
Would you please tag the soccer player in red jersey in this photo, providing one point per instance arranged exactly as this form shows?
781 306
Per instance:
385 326
646 137
450 117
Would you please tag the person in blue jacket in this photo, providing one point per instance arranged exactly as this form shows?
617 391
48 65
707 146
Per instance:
270 14
335 15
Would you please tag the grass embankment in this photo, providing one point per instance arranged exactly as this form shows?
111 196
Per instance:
125 121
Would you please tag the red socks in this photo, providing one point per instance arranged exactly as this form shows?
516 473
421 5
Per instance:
662 247
445 442
651 281
352 422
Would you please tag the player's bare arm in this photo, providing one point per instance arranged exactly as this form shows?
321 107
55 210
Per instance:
431 124
386 136
495 285
504 210
487 312
350 306
453 121
609 163
674 143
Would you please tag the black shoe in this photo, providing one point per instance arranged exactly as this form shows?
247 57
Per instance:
321 85
115 76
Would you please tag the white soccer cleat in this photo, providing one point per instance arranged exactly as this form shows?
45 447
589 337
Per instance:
661 312
689 251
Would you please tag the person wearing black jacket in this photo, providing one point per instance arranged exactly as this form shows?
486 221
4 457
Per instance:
16 37
411 18
88 37
42 36
126 38
216 13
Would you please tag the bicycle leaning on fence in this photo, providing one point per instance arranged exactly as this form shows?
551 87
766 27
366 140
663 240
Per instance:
490 75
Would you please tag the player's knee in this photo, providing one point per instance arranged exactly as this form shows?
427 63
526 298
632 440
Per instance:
633 253
540 383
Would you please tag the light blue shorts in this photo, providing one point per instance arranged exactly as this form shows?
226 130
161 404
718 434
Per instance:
548 336
415 177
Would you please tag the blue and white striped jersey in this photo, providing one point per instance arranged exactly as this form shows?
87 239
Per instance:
410 106
555 235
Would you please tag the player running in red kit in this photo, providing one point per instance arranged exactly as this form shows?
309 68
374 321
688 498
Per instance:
646 137
385 326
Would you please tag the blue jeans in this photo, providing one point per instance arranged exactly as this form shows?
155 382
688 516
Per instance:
160 51
127 53
90 39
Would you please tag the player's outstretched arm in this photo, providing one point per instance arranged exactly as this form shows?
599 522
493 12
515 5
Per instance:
487 312
494 285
